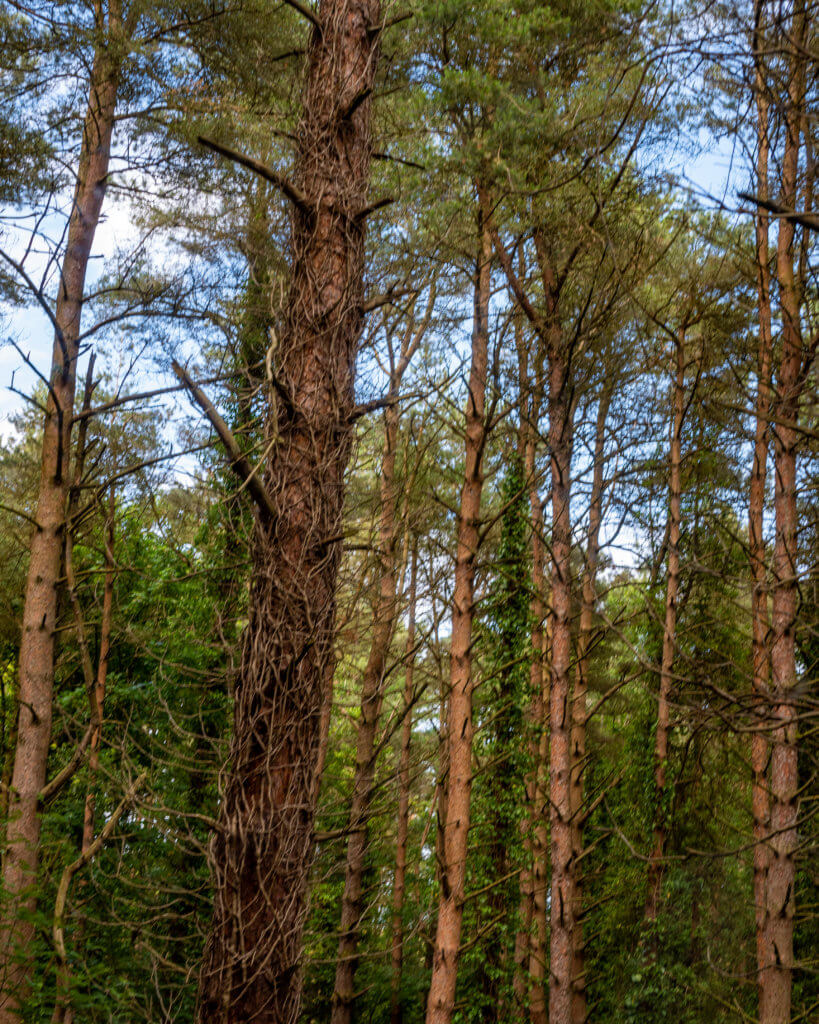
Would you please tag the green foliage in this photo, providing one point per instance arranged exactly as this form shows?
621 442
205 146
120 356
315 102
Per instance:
503 759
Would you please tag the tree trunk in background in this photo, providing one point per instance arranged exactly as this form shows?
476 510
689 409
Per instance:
538 953
530 961
775 1003
36 663
672 589
760 747
63 1011
98 696
261 852
372 694
560 813
538 681
402 832
441 998
581 686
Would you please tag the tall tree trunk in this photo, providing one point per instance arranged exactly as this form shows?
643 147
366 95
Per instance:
560 812
101 679
441 997
63 1012
539 752
530 960
672 589
581 686
538 952
372 694
775 1002
400 876
261 851
36 663
760 747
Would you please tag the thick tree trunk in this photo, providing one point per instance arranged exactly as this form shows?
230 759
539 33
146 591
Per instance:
36 664
760 746
372 693
441 997
672 589
581 686
261 852
775 1002
560 811
402 832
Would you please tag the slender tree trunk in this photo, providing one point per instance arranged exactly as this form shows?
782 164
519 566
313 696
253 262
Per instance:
655 864
560 811
760 746
775 1002
261 851
441 998
530 961
63 1012
538 953
400 876
372 694
101 680
36 663
581 686
539 750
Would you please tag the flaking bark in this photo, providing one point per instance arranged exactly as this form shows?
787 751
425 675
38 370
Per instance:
459 727
561 940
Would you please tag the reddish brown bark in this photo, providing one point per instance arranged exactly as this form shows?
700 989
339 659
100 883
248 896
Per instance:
372 693
561 937
441 997
581 687
777 980
101 678
526 450
760 747
95 684
36 662
672 590
402 832
529 951
539 943
556 741
262 848
539 682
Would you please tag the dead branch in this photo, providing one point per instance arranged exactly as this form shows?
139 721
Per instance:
238 463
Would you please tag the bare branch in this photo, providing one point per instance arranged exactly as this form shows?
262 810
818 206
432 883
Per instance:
286 187
238 463
305 12
805 220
